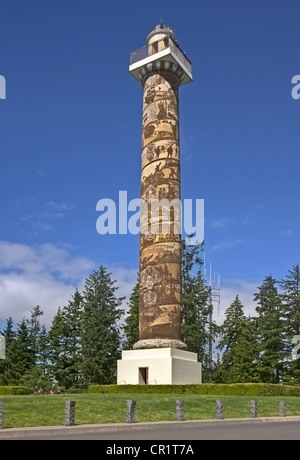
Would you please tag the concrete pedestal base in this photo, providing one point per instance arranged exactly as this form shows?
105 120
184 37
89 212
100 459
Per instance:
158 366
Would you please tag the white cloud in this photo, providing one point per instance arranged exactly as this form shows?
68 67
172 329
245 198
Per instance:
46 275
250 219
125 280
44 218
220 223
288 232
226 245
46 259
252 216
20 294
60 206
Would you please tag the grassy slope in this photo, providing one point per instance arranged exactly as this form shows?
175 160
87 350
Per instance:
49 410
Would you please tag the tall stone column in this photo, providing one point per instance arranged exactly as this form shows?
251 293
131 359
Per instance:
160 255
160 308
160 356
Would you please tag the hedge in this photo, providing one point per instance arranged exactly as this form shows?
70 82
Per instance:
234 389
15 390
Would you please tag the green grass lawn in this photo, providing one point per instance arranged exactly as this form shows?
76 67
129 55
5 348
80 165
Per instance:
49 410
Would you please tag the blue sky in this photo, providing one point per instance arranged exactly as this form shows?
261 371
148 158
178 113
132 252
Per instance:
70 135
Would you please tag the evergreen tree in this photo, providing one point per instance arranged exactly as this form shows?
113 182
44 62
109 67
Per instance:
290 286
131 325
34 329
237 341
71 342
42 362
246 354
270 331
291 300
37 347
101 330
56 352
9 335
198 328
65 344
230 330
20 357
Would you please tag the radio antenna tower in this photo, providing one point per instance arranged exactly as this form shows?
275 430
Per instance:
214 284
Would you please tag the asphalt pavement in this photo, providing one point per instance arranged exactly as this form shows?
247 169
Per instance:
44 431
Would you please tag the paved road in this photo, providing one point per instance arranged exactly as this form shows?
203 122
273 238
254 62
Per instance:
244 429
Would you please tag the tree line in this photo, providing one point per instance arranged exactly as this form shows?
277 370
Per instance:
86 336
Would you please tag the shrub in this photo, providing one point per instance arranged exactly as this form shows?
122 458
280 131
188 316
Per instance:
214 389
15 390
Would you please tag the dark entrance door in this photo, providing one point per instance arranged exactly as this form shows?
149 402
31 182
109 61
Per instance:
143 375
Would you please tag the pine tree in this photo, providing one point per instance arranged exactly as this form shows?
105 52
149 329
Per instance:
56 352
101 330
290 286
34 329
237 341
37 348
71 342
198 328
230 330
42 362
65 344
20 357
246 355
131 325
291 300
270 331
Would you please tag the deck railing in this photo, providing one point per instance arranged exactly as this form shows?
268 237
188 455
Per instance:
155 47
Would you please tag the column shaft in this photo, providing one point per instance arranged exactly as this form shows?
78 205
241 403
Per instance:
160 241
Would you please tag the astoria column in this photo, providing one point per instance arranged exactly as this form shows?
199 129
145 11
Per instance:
161 67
